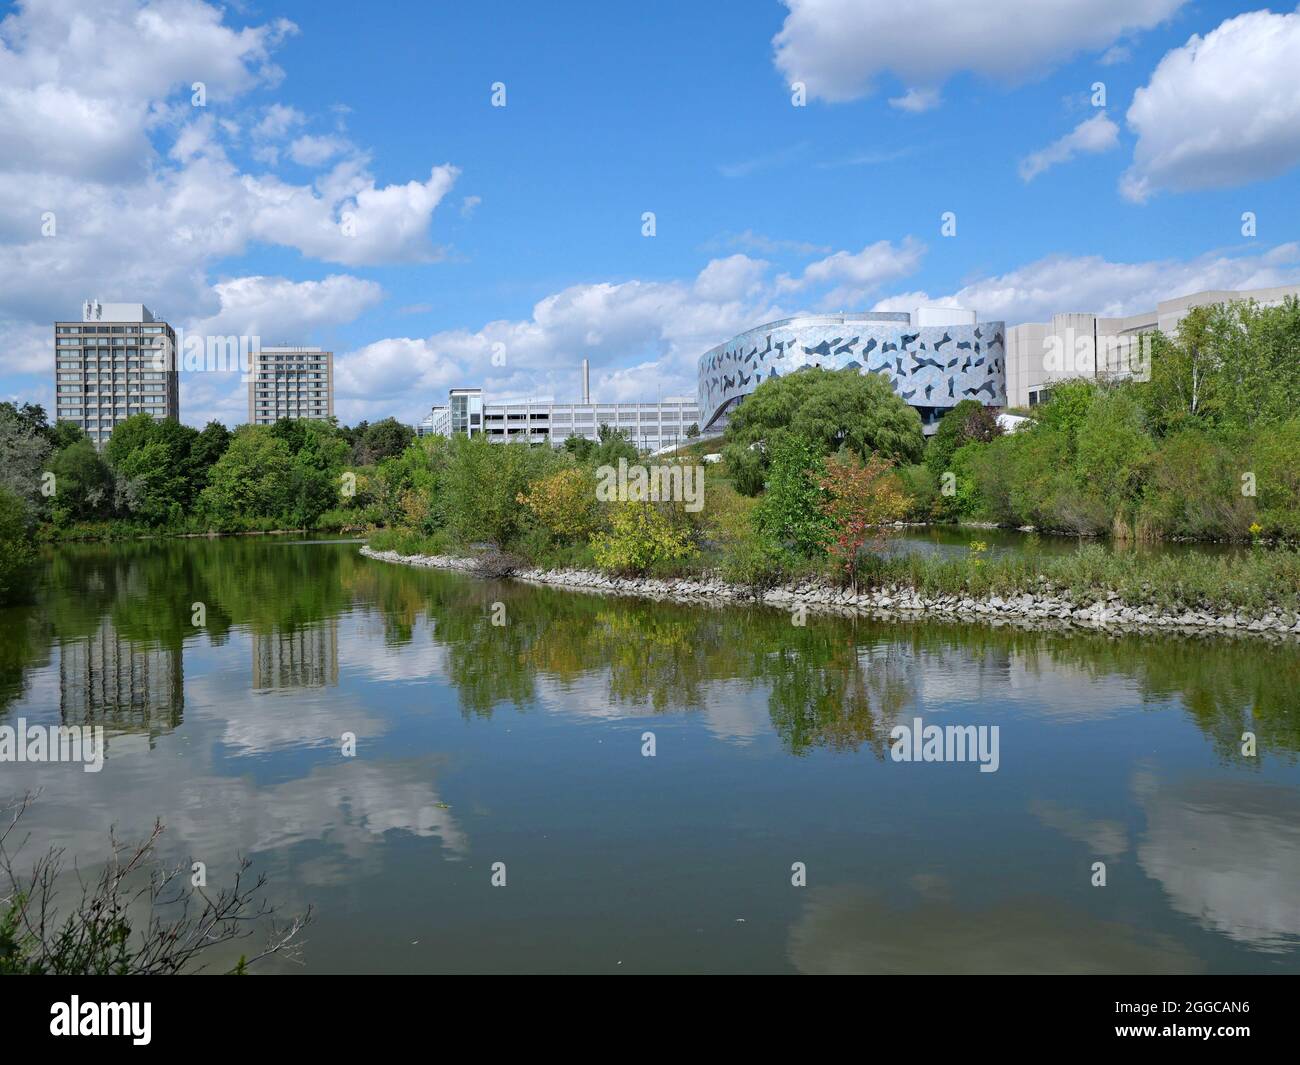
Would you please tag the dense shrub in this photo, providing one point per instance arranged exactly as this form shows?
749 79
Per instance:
1194 489
1275 463
922 489
969 421
859 497
790 511
564 503
640 535
481 484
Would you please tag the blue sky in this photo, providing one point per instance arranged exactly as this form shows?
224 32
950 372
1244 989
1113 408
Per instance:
517 230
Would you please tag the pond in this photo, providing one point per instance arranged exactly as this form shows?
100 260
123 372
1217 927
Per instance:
526 743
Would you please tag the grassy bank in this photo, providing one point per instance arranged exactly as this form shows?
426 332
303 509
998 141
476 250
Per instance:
1251 582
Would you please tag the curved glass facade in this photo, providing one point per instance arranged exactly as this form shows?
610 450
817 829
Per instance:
932 367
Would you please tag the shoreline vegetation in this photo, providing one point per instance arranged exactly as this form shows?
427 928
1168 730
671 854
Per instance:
1092 590
812 466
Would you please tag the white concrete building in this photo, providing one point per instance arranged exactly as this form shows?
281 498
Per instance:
650 426
1076 345
290 382
119 360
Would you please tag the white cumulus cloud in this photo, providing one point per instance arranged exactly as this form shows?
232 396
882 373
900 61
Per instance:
113 185
855 275
1092 135
633 332
313 150
838 48
82 85
1092 283
1221 110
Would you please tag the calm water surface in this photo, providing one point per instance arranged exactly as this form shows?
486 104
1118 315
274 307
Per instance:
522 744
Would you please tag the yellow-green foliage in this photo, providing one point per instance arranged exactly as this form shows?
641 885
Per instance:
565 503
728 519
640 535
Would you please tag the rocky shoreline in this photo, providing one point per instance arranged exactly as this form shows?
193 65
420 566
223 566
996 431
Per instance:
1044 609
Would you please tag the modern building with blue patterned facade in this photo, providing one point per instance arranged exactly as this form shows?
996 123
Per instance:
933 359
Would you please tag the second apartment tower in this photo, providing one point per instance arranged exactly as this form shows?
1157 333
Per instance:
290 382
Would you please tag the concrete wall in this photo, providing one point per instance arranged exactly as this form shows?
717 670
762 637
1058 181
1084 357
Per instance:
1033 348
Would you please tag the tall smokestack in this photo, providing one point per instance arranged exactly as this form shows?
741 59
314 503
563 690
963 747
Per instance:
586 382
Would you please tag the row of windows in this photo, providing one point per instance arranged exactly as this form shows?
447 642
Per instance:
135 355
648 441
564 416
95 327
624 419
93 344
77 413
119 377
134 389
605 413
136 362
108 418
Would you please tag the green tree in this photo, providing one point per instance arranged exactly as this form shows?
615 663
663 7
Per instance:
969 421
64 434
1113 450
792 509
1194 487
252 478
1068 406
1277 478
382 440
825 409
579 447
1256 365
323 447
293 431
30 417
83 484
153 459
1231 367
309 493
482 483
965 499
24 451
614 445
1184 370
206 449
17 551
